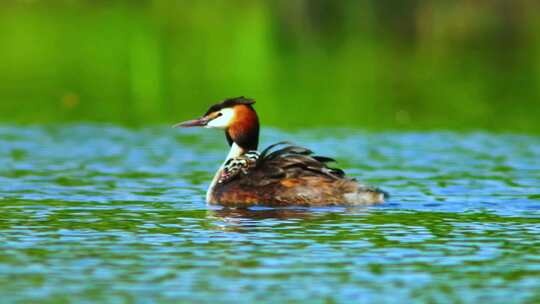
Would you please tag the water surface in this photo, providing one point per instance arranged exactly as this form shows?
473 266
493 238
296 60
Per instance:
98 213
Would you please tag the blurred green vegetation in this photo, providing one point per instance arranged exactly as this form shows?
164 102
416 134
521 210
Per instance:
373 64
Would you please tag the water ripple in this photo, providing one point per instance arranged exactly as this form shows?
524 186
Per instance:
99 213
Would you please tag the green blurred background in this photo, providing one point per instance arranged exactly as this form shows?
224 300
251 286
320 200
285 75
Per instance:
374 64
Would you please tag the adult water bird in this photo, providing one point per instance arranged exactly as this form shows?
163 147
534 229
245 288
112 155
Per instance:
280 175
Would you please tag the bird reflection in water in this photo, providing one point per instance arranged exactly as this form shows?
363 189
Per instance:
246 219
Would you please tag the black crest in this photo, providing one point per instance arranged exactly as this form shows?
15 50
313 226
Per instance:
230 102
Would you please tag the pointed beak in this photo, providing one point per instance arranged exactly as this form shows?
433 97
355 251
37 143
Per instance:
201 122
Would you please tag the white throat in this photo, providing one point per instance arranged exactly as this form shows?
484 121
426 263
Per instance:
235 151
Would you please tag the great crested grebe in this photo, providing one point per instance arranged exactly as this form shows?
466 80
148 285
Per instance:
281 175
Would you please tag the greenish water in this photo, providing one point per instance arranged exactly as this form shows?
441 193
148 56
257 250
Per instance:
98 213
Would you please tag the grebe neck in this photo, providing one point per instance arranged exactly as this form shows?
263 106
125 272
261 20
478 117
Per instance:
234 152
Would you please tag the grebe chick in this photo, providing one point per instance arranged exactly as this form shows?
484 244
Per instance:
281 175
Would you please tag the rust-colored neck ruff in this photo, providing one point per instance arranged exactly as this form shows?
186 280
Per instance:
244 130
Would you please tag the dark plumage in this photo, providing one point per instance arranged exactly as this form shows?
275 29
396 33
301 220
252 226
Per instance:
292 175
229 103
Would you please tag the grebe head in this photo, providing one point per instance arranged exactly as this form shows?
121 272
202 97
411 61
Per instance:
234 115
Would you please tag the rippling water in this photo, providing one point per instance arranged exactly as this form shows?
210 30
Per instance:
106 214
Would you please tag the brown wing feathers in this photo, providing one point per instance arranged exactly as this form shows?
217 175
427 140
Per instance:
294 161
286 174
